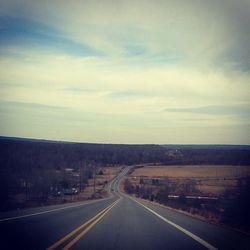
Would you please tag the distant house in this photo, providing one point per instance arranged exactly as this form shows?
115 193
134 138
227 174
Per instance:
68 169
70 191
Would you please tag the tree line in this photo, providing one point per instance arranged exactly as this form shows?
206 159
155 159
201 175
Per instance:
18 154
35 167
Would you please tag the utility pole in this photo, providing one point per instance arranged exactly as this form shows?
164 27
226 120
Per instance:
94 179
80 177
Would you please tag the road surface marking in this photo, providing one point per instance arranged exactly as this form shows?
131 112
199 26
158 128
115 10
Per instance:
77 238
49 211
85 225
193 236
113 182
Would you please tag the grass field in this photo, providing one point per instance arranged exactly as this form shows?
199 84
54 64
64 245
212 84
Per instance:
210 180
197 171
108 174
215 193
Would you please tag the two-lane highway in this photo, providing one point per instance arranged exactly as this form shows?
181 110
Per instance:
117 222
40 228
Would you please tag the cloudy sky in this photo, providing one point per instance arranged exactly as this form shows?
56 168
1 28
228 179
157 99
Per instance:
126 71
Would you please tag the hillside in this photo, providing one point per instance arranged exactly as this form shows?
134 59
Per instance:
32 170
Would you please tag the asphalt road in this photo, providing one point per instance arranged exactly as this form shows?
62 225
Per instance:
118 222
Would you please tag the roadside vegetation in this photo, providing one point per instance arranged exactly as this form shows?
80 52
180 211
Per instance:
37 172
216 193
47 187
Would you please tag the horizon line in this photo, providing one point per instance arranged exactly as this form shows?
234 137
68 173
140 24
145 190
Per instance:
110 143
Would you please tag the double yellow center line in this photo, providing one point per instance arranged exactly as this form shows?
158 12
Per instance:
82 230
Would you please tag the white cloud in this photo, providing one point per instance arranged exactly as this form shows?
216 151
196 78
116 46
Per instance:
45 78
197 30
152 56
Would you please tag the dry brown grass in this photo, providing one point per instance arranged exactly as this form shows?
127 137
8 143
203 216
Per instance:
212 190
210 180
199 171
108 174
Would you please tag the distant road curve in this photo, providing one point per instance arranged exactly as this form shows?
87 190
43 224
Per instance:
117 222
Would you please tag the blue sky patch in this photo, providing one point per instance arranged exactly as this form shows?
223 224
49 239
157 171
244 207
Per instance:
22 32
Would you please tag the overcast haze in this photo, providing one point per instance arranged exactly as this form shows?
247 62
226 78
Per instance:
126 71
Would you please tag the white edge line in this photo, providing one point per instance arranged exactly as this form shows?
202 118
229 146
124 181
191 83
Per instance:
193 236
49 211
58 209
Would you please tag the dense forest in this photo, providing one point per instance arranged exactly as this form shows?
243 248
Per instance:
19 153
35 168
